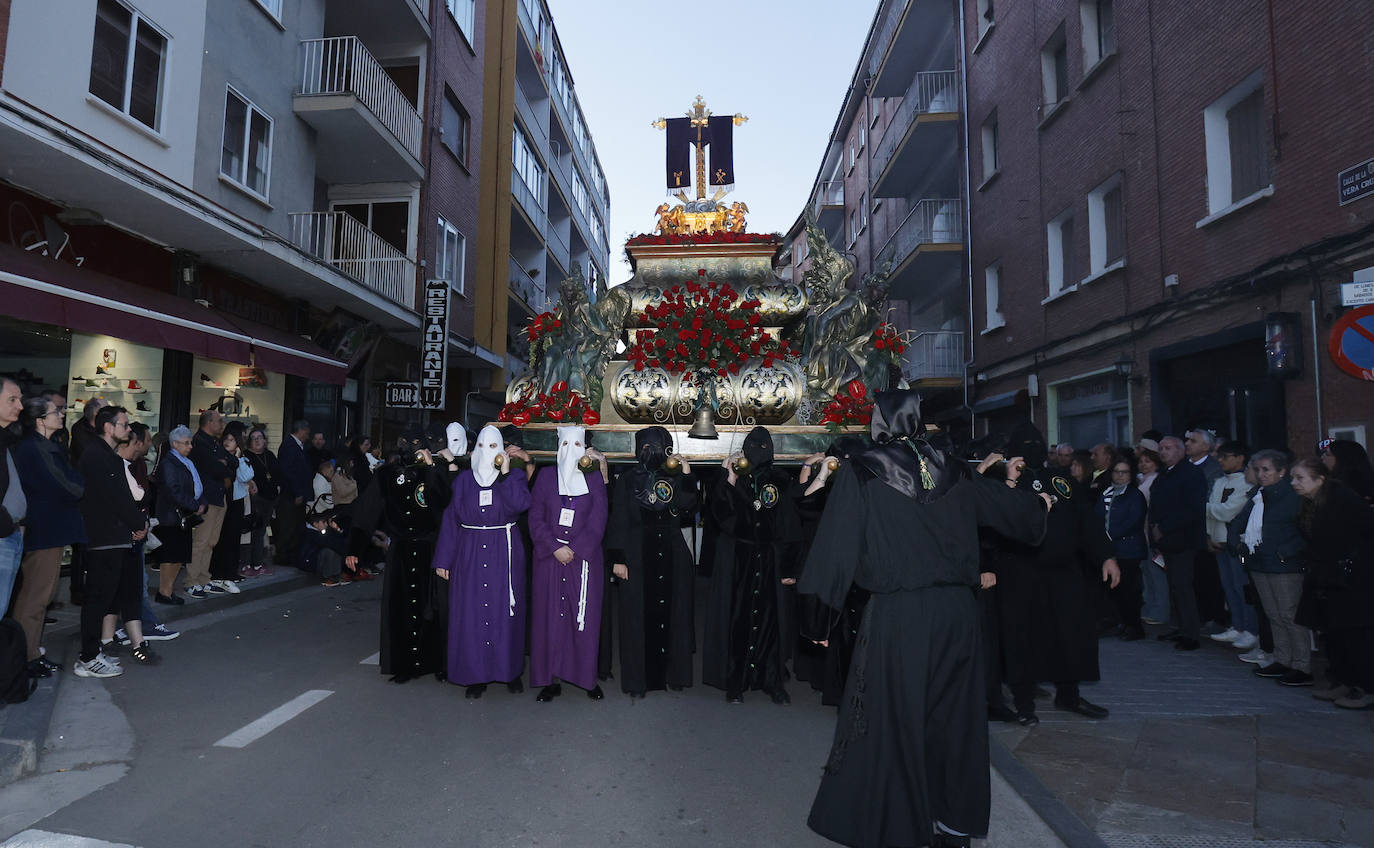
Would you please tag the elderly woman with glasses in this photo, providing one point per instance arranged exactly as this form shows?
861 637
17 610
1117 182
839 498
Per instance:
1122 508
53 489
180 494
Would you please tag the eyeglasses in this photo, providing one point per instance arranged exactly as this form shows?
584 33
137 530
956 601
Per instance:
1121 471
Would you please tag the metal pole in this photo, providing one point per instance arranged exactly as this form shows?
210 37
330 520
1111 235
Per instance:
1316 366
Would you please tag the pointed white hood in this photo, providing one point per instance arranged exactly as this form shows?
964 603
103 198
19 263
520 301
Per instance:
489 446
457 439
572 446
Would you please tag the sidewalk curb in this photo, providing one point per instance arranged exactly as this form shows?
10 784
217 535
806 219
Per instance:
24 727
1054 812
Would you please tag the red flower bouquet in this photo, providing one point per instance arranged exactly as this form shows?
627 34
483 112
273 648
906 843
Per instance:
851 407
559 406
542 330
717 237
702 327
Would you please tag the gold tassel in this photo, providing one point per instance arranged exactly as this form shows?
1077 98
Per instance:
927 481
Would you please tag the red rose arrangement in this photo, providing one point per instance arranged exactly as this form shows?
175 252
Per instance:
851 407
559 405
703 326
889 344
541 332
719 237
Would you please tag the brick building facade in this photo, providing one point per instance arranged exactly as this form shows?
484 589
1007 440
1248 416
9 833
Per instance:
1153 187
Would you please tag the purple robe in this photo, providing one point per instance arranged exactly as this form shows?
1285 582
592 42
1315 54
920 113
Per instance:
565 600
480 545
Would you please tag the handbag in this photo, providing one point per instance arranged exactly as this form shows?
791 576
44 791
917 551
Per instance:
190 519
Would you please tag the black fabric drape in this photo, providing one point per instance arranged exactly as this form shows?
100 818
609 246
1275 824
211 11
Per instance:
722 136
678 168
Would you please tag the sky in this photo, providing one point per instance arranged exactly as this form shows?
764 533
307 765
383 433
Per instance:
784 65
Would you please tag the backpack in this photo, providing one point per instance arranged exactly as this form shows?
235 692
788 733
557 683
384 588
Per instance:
15 683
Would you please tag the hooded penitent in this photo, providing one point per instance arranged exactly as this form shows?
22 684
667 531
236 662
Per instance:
436 438
489 446
758 449
1026 441
571 447
652 446
457 436
902 455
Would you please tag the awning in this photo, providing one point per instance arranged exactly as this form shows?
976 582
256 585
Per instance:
36 288
995 402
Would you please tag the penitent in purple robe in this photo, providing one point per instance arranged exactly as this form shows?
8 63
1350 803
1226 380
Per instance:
480 545
565 600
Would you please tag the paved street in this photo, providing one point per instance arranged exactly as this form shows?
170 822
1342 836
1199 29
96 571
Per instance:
135 760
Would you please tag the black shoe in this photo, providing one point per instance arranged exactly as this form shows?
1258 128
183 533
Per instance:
734 697
399 678
474 692
1001 712
595 693
1271 670
1132 634
1027 719
1187 645
1293 677
1083 707
780 697
674 688
441 676
50 664
1171 636
515 687
47 620
548 693
949 840
636 696
38 668
175 600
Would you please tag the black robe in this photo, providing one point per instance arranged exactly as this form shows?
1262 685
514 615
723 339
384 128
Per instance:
743 645
824 667
911 743
1045 592
655 604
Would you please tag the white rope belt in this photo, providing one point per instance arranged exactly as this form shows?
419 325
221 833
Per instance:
582 593
510 554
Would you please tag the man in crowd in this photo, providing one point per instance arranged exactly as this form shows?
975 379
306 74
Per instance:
13 504
1225 502
297 487
1198 446
1177 521
1061 456
1103 454
83 434
212 465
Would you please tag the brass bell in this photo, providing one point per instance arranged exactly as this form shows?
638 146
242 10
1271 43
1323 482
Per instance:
585 462
705 425
500 460
742 465
673 464
419 456
832 463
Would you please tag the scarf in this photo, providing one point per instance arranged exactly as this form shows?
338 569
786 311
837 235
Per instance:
1254 527
489 446
571 480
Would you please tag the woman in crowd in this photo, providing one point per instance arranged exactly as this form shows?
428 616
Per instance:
261 501
180 495
131 593
1155 584
359 468
1275 566
343 488
323 486
1081 467
1122 508
53 489
224 561
1348 462
1338 592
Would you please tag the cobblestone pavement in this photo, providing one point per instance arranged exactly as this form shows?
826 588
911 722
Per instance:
1199 751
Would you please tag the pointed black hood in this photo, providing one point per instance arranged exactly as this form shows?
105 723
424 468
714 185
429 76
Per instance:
902 456
758 448
1027 442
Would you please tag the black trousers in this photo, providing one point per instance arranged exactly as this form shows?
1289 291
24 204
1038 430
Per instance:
1178 568
1128 594
287 527
114 580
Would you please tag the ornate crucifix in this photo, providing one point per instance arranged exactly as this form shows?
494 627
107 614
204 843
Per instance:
699 121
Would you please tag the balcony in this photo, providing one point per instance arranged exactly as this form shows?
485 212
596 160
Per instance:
536 129
829 208
925 247
368 130
526 291
382 21
922 136
913 34
557 244
935 359
531 201
340 240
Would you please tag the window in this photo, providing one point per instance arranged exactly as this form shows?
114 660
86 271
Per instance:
863 212
853 226
127 62
1237 145
1059 239
1099 30
464 12
863 136
992 161
1106 230
389 219
853 157
246 155
449 261
453 131
985 17
527 166
271 7
1054 70
992 290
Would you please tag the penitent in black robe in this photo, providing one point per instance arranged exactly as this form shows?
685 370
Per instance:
743 645
825 667
655 603
911 743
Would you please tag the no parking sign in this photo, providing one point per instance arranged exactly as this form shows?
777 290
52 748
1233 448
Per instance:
1352 343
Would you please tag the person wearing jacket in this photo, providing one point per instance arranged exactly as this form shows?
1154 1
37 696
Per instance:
114 522
53 490
1122 508
1225 502
1178 528
224 559
1275 565
297 490
262 503
215 473
13 504
180 493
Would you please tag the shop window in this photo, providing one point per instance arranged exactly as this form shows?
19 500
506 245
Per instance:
246 157
128 59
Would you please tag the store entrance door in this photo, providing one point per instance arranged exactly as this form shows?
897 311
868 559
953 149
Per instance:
1226 389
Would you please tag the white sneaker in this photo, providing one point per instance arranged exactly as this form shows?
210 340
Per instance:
1230 634
213 588
121 637
1245 641
1256 656
228 585
98 667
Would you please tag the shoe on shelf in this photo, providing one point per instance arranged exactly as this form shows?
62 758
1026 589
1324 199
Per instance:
1230 634
548 693
133 387
1331 691
1245 641
143 654
1274 670
1356 699
1293 677
99 667
161 633
1256 655
198 592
